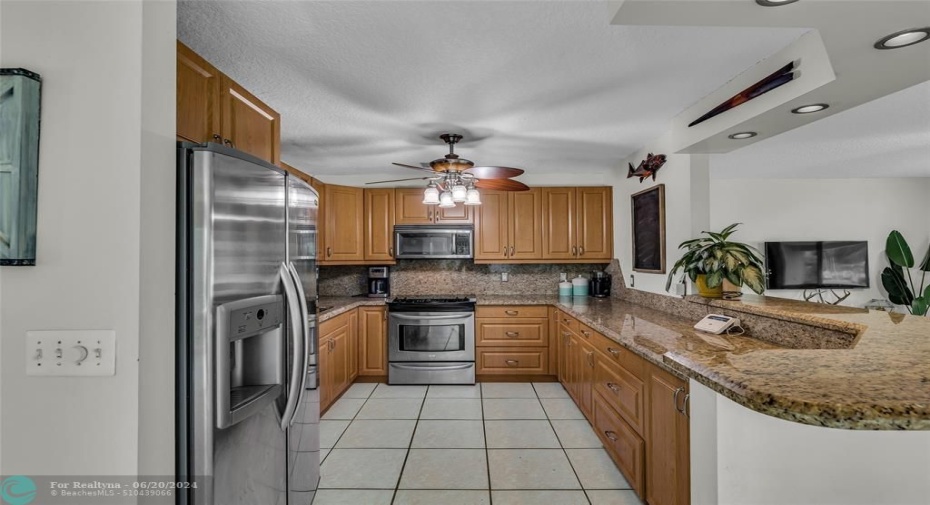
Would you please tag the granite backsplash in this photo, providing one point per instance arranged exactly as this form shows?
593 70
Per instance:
437 277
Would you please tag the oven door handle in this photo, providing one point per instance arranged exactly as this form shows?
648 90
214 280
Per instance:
429 318
412 366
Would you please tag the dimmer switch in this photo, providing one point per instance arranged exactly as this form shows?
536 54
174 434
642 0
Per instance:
71 353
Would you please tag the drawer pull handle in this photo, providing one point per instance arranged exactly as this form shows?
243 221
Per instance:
581 251
574 250
566 334
512 362
512 333
678 391
511 312
329 251
586 334
615 352
613 387
611 435
590 357
564 321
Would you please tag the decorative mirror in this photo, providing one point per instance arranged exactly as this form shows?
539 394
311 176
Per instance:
19 165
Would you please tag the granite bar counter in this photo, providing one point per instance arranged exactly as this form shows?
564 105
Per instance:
881 381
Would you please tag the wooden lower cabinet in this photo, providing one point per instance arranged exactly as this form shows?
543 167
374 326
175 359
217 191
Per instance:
512 360
623 444
337 356
668 470
372 341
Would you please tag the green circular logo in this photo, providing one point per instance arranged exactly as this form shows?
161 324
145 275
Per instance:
18 490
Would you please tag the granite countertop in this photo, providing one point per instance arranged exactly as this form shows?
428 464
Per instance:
881 383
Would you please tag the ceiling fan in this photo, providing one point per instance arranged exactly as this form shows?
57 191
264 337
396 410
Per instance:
458 178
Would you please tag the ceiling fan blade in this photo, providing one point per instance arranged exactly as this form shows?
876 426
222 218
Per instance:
495 172
501 184
400 180
413 167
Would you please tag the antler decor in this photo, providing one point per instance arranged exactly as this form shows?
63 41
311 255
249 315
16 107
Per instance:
818 293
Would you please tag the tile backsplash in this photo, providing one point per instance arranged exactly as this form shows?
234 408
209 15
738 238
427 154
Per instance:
436 277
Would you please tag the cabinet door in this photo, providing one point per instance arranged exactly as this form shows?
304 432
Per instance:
379 225
326 373
198 91
409 207
586 379
249 124
558 223
460 214
491 224
352 348
372 340
667 467
593 223
344 237
526 224
320 188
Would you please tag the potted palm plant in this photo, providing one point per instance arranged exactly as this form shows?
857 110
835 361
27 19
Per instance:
897 279
714 260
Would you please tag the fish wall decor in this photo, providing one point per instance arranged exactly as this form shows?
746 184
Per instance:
647 167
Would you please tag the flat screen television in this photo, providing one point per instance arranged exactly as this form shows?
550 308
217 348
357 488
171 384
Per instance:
811 265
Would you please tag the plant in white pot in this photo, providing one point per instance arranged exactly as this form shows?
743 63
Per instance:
714 260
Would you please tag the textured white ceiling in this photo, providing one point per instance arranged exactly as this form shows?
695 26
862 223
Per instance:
887 137
549 86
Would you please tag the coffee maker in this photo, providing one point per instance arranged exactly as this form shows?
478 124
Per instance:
379 283
600 284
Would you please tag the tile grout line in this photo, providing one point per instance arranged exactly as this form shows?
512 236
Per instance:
416 424
562 446
487 452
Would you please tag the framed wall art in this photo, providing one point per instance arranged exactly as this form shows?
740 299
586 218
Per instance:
648 213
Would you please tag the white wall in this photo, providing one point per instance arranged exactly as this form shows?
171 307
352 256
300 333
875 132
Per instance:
826 209
105 182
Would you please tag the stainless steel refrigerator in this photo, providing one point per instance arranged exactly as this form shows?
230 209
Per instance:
248 405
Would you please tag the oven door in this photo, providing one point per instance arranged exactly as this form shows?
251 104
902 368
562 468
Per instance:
431 336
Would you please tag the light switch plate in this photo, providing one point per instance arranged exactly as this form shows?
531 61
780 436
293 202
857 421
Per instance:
71 353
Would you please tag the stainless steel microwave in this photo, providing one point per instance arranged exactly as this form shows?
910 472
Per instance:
434 242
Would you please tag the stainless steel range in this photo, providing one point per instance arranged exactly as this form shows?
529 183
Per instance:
431 340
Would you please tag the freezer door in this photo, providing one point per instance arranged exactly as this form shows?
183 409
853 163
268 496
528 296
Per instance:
236 241
303 206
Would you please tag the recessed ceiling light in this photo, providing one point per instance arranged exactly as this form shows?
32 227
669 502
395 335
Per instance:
807 109
774 3
903 38
743 135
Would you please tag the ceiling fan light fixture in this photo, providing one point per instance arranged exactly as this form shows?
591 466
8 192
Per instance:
431 195
472 197
445 200
459 193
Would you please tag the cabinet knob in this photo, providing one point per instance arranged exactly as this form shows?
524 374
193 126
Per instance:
216 137
229 143
512 362
512 333
611 435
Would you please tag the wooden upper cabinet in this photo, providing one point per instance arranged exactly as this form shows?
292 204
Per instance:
344 239
525 224
379 225
198 90
558 223
410 209
492 241
594 223
250 125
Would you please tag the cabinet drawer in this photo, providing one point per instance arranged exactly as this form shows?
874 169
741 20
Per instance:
567 321
620 355
331 325
624 392
623 445
510 332
511 311
512 361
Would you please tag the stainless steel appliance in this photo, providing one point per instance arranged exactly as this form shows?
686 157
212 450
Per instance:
247 399
600 284
434 242
379 282
431 340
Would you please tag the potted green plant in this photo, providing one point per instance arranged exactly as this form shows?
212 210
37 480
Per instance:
714 260
897 279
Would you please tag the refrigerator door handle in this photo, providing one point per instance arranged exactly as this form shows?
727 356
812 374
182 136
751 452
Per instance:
297 334
308 346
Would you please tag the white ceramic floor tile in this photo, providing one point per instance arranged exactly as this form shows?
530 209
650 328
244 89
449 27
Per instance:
451 408
323 454
596 470
576 434
390 408
544 497
441 497
353 497
385 391
530 469
445 469
463 391
449 435
362 468
520 435
507 390
561 408
344 408
513 408
550 390
612 497
360 390
330 431
377 434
